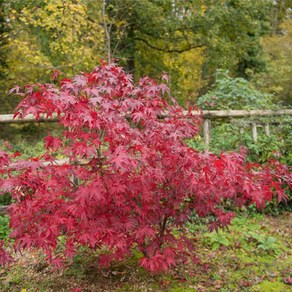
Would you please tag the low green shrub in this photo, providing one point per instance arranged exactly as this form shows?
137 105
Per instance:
4 227
243 233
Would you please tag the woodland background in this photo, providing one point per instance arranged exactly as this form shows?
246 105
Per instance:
189 40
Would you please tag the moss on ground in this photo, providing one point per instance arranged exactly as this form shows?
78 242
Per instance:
267 286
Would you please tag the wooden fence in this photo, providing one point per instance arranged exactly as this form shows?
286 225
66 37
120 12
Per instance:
208 116
232 114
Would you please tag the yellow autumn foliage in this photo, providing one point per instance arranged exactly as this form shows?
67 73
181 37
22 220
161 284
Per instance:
75 40
186 70
278 54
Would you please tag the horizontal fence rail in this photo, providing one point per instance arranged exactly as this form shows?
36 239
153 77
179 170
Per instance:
245 113
8 118
208 115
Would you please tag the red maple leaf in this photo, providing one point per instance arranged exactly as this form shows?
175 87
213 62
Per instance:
52 142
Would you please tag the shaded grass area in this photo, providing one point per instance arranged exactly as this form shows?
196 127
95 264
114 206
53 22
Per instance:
253 255
28 139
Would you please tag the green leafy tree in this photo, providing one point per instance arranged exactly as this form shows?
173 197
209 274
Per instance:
155 36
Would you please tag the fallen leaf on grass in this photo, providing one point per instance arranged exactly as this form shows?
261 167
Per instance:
217 284
244 283
288 280
201 288
115 273
164 283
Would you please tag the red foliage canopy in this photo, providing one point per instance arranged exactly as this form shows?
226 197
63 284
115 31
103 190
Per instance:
141 179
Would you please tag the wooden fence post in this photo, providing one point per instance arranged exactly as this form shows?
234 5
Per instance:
206 130
4 210
241 132
267 129
254 132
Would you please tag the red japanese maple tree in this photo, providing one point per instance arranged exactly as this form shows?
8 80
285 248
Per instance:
139 180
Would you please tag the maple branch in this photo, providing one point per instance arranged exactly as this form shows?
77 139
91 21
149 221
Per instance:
162 230
168 50
101 136
74 179
73 182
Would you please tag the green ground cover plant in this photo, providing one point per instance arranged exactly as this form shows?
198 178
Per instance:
4 227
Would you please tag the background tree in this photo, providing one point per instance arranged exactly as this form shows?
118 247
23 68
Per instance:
276 79
189 40
3 42
225 33
48 35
